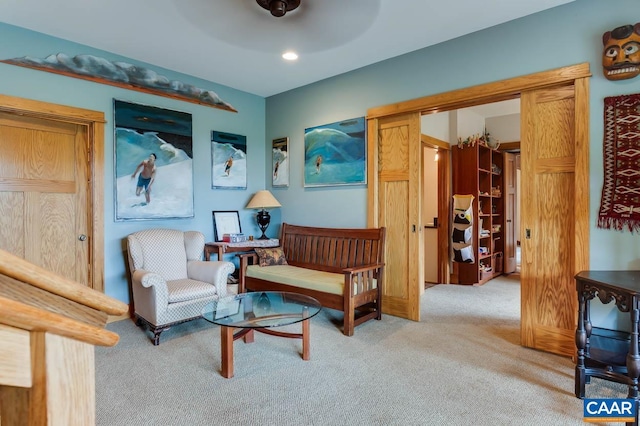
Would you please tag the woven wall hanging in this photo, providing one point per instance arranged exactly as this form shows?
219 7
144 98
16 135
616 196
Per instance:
620 202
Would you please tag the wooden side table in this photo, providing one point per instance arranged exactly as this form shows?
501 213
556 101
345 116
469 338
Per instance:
220 248
622 288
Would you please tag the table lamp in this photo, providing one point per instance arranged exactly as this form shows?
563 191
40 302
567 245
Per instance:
263 200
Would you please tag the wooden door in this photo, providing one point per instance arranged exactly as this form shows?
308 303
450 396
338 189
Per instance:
554 215
510 212
395 202
44 194
444 204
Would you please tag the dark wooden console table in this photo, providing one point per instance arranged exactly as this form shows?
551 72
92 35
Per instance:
622 288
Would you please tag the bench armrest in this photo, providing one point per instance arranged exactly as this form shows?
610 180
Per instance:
246 259
363 268
362 278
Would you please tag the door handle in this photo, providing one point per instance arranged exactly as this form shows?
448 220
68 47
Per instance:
527 233
82 237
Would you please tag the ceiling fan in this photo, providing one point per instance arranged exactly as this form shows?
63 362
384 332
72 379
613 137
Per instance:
278 8
245 24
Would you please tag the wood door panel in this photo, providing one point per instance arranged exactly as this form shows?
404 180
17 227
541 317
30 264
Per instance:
394 149
396 244
48 157
12 153
12 208
549 304
56 232
559 132
36 151
554 282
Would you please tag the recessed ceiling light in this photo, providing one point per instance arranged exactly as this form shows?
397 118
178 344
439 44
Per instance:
290 56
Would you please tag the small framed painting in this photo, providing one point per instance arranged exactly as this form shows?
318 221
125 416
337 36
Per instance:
228 161
280 157
335 154
225 222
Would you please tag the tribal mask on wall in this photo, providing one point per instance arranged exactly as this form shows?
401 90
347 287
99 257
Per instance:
621 55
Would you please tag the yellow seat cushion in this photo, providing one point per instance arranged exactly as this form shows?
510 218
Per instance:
311 279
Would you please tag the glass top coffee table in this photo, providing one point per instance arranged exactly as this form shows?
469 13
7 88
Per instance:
262 312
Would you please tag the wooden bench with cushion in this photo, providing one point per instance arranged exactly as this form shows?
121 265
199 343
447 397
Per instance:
341 268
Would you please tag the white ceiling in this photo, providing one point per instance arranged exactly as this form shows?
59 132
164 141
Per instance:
238 44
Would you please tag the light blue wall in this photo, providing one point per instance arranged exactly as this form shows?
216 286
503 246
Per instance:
562 36
249 121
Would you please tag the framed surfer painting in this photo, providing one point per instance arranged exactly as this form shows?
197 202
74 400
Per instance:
153 161
280 164
228 161
335 154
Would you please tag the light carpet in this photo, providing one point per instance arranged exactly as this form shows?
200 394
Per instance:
462 364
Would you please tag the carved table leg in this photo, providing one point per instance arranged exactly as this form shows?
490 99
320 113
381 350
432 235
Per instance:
581 342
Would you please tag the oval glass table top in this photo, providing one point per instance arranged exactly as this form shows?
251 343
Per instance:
261 309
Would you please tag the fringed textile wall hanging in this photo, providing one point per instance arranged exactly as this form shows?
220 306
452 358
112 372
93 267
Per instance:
620 203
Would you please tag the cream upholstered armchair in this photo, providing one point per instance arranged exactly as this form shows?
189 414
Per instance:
170 281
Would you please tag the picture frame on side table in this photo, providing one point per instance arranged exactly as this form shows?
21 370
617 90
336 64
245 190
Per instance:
225 222
280 162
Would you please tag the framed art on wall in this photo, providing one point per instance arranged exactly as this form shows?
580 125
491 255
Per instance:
225 222
153 163
280 162
228 161
335 154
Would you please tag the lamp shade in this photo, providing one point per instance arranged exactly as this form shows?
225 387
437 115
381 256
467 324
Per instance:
263 200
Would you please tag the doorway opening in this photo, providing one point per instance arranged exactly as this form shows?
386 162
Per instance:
502 121
555 152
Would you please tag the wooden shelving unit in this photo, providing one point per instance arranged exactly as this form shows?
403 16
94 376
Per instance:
477 170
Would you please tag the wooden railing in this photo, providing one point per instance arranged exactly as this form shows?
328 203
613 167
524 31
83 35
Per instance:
48 327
